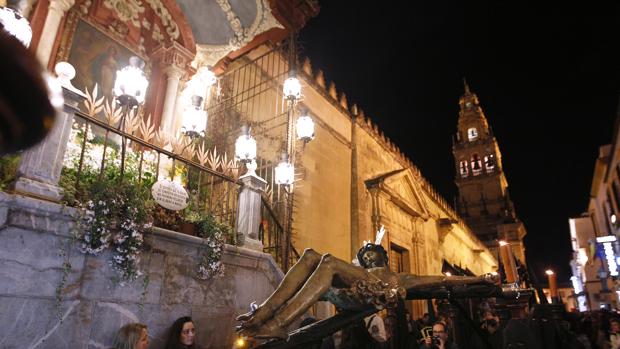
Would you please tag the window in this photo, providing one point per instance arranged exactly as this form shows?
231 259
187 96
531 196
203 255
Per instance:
472 133
489 163
463 169
476 165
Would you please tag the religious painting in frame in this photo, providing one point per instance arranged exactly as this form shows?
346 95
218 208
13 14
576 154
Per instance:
96 58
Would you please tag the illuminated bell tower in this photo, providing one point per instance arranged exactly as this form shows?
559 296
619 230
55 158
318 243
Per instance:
483 201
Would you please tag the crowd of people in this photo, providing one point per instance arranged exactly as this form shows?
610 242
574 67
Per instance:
591 330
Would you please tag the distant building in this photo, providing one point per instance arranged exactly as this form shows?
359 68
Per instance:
484 201
594 235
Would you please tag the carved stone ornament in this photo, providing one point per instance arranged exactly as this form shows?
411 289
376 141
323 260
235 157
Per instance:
209 55
126 10
166 18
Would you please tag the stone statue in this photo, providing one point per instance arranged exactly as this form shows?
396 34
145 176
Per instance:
323 277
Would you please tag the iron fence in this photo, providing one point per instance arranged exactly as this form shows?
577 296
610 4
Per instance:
132 151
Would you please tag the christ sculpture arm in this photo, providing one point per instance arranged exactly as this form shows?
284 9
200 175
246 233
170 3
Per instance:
317 276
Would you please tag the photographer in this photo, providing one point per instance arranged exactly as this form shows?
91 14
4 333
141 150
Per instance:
492 332
439 339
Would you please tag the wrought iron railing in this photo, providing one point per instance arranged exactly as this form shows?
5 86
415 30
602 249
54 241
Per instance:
250 92
275 240
107 137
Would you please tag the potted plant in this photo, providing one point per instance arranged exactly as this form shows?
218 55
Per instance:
188 225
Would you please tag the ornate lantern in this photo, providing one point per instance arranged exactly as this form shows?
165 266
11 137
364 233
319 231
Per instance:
131 83
15 24
305 128
245 146
285 171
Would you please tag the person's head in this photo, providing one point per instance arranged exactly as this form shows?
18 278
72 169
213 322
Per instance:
440 330
371 256
182 333
426 318
490 321
614 326
132 336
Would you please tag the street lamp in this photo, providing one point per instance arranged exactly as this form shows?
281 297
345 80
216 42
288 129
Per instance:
292 87
553 285
194 119
131 83
12 21
245 146
285 171
305 128
129 89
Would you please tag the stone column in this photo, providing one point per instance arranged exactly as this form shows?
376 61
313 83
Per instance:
248 210
56 11
173 61
40 166
173 75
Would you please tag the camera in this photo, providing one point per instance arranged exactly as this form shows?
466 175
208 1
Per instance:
435 340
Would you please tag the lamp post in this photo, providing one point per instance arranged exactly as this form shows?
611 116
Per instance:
129 88
302 129
553 286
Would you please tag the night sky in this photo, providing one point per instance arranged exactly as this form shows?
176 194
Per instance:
547 79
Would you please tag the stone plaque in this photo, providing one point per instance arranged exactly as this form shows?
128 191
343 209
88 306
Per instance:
170 195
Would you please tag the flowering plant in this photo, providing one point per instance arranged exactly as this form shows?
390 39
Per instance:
114 210
214 235
116 217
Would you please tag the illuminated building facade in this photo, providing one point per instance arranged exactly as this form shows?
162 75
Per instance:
594 235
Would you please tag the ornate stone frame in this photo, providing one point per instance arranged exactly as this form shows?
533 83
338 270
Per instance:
66 40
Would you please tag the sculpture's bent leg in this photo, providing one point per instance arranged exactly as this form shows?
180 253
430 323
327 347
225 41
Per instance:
292 282
318 283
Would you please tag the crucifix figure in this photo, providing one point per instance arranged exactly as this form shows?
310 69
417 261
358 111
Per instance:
324 277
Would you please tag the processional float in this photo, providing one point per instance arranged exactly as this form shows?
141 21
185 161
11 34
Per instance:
357 290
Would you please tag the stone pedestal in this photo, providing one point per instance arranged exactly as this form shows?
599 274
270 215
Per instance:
248 212
40 166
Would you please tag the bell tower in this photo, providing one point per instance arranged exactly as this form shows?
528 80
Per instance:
483 201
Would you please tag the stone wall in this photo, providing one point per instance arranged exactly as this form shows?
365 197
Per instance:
32 235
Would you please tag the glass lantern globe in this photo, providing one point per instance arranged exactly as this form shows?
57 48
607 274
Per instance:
200 82
194 121
15 24
245 146
285 172
292 88
207 76
305 128
131 81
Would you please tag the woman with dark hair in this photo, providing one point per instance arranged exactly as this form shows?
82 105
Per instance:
182 334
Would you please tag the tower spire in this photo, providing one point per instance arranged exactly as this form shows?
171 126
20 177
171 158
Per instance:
466 86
